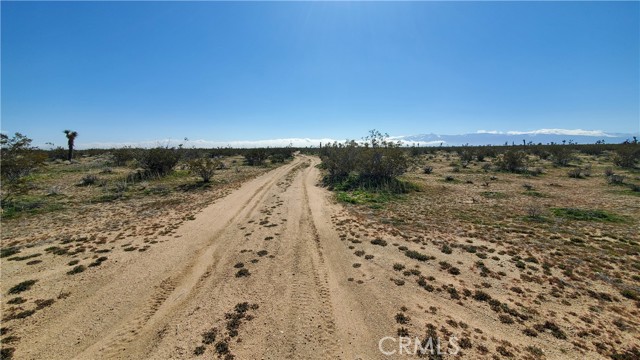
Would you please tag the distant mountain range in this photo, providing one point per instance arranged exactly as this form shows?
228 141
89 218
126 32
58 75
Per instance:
482 137
500 138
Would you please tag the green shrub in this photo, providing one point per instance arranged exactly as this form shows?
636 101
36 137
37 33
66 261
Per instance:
512 160
18 158
23 286
585 215
561 154
373 165
159 161
627 155
256 157
416 255
204 168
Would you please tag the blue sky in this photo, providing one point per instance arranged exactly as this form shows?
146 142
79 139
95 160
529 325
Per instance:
137 71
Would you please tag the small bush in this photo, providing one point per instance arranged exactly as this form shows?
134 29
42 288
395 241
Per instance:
23 286
76 270
614 179
256 157
585 215
427 169
243 273
512 161
416 255
379 242
88 180
159 161
204 168
575 173
627 156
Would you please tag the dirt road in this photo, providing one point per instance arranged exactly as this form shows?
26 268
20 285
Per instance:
271 244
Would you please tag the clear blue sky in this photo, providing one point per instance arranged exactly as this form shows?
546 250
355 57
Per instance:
129 71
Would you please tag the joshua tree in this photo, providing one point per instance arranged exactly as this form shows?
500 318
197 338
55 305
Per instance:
71 136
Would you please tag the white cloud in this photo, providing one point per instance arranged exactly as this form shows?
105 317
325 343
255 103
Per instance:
574 132
295 142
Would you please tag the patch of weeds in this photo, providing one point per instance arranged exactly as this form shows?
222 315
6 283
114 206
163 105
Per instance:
238 265
398 267
76 270
403 319
5 252
16 301
199 350
480 295
379 242
7 353
505 319
222 347
551 326
416 255
9 339
21 315
585 215
23 286
454 270
446 249
98 261
73 262
504 351
22 258
262 253
243 273
630 294
41 304
209 337
494 195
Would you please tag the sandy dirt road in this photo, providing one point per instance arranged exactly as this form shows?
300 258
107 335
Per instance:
279 228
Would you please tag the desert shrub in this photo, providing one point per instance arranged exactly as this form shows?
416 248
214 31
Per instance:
204 168
561 155
381 159
89 179
255 157
57 153
159 161
466 155
416 255
18 158
23 286
374 165
575 173
427 169
512 161
615 179
124 155
627 155
281 155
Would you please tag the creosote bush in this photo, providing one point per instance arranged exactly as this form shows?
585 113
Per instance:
159 161
204 168
372 165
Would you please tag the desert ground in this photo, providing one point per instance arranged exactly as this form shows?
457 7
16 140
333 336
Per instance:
265 263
